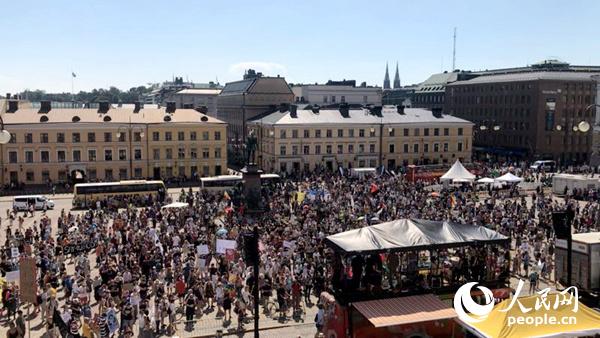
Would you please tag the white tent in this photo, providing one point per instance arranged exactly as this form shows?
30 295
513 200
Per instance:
458 173
485 180
509 178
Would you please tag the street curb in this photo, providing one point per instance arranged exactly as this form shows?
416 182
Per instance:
236 333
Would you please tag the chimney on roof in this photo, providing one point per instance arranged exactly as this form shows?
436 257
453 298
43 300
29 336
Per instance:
171 107
45 106
400 109
103 107
437 112
13 106
8 96
315 108
293 111
137 106
375 110
283 107
345 110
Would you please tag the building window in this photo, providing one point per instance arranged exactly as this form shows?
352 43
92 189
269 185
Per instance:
405 131
137 136
205 153
168 136
306 150
340 132
108 154
415 148
325 97
121 136
217 135
169 172
193 153
318 133
282 134
193 136
282 150
361 133
204 136
372 163
122 155
155 136
425 131
392 132
340 149
329 149
426 148
446 131
12 157
137 154
217 152
91 174
295 133
181 171
107 137
137 172
351 148
44 137
181 153
365 99
436 131
156 154
180 136
62 176
45 156
306 133
91 137
361 148
460 131
29 176
13 138
122 174
169 154
372 132
76 155
371 148
76 137
350 132
45 176
92 155
61 156
205 170
343 99
60 138
28 138
406 148
328 133
445 147
417 132
436 147
460 146
361 163
318 149
29 156
392 148
332 98
294 150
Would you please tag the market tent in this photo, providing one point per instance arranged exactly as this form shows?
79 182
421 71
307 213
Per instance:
412 234
175 205
459 173
485 180
497 323
509 178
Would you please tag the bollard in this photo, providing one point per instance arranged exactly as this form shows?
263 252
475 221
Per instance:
219 334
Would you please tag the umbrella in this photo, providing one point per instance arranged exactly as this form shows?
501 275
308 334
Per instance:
222 232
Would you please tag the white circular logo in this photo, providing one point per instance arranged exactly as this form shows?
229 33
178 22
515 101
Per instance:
463 301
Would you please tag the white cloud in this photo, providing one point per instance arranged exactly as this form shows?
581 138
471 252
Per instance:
268 68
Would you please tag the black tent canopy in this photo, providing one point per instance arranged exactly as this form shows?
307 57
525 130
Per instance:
412 234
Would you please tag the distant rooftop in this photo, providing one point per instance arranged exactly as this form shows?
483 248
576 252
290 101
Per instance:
529 76
197 91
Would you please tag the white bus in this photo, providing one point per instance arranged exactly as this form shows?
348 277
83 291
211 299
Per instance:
227 182
84 193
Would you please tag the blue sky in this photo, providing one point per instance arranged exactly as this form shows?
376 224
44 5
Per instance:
128 43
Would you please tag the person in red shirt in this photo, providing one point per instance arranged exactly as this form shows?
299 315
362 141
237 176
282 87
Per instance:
296 294
180 289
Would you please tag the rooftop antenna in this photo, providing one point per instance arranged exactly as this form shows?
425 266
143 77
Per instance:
454 51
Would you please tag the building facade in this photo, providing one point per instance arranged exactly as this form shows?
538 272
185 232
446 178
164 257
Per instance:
196 98
335 92
528 114
292 140
77 145
245 99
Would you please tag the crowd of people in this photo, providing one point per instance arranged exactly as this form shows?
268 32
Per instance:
109 271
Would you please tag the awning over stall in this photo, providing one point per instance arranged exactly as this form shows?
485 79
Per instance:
412 234
404 310
458 173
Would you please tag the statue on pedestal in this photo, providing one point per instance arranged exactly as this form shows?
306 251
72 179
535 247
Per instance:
251 144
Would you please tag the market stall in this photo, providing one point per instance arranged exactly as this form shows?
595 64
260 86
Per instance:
457 173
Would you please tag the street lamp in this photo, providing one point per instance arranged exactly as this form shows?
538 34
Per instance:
4 134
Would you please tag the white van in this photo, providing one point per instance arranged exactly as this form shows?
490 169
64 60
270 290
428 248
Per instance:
546 165
23 202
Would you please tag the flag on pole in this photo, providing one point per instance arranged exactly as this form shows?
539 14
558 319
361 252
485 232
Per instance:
73 74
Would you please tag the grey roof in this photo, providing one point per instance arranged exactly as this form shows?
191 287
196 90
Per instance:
237 86
528 76
437 82
357 116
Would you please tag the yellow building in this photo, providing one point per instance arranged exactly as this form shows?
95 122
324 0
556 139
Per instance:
109 144
293 139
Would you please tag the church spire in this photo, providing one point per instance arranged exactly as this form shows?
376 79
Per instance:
397 78
386 80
